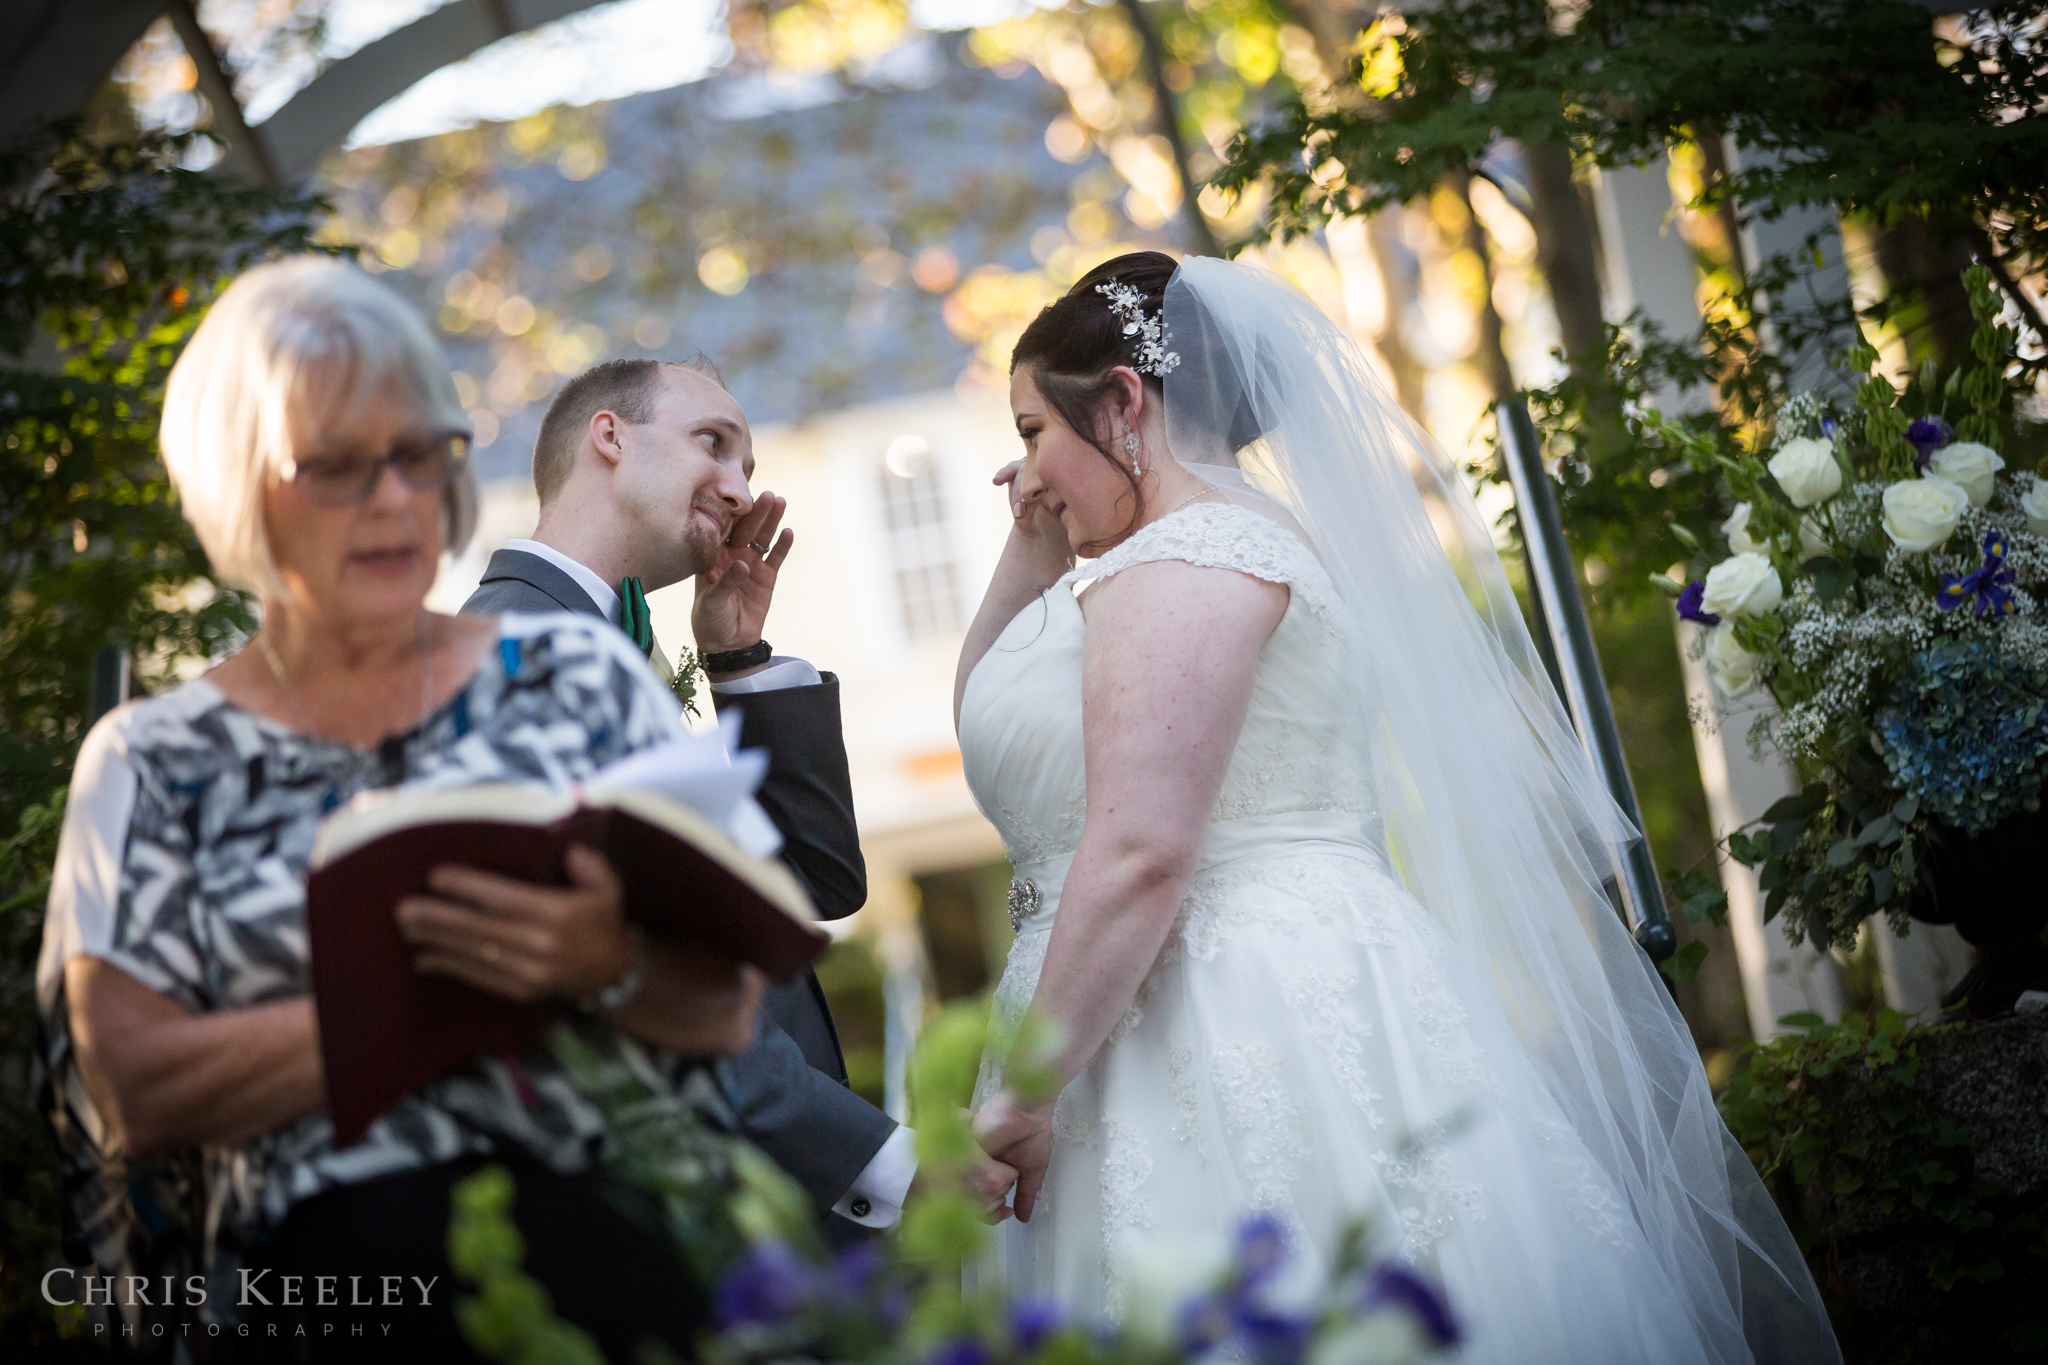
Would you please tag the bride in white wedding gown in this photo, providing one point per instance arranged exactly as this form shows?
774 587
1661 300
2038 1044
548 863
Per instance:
1308 866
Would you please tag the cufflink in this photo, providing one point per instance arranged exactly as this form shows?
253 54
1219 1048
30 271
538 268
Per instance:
860 1206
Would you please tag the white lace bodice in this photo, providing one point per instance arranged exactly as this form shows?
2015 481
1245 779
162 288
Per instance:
1300 749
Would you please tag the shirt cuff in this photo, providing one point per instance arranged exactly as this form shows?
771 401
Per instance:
781 672
876 1197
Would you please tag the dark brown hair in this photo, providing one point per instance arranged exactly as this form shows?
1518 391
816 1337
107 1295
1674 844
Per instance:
1075 341
625 387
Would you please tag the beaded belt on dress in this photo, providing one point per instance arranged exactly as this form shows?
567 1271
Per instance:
1025 899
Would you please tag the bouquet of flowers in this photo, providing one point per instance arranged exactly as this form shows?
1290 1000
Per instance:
1885 580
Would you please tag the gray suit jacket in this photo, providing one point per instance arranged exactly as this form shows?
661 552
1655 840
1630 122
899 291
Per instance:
789 1091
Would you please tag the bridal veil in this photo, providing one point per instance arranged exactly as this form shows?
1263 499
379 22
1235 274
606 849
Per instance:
1494 817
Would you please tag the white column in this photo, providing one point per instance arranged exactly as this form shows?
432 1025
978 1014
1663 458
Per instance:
1648 263
1921 967
1825 287
1650 267
1777 978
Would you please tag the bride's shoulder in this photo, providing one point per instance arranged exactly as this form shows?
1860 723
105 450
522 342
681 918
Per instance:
1219 533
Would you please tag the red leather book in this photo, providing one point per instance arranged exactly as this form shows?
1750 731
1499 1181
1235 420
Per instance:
386 1030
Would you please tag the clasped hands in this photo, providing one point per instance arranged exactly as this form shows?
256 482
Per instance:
1018 1139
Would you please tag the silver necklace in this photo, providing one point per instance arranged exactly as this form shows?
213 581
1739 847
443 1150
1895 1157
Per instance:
305 713
1198 493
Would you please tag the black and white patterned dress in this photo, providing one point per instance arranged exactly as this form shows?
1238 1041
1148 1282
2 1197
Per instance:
182 861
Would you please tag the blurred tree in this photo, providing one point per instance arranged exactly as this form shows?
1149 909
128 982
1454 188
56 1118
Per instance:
110 253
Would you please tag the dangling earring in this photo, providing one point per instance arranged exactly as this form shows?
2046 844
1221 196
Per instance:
1131 448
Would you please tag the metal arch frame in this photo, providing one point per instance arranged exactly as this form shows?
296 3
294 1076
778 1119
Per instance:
1574 666
62 53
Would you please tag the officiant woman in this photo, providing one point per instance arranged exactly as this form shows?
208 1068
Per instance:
314 437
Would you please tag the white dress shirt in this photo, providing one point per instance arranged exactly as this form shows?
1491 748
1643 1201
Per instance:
879 1190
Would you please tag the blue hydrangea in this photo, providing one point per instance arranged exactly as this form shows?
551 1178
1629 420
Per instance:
1964 733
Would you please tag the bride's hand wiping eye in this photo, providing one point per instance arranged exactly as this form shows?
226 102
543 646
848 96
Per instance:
1036 528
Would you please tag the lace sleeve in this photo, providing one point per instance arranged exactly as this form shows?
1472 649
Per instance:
1223 536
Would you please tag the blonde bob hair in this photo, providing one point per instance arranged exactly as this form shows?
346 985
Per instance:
290 351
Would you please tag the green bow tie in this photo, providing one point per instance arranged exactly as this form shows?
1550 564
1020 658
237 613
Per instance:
633 618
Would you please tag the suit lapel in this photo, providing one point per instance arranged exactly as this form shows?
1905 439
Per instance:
521 567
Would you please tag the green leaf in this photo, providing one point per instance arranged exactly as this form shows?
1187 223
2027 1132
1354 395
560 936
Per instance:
1684 964
1878 831
1802 1019
1882 885
1905 808
1785 836
1685 537
1842 853
1797 806
1831 578
1666 584
1848 1184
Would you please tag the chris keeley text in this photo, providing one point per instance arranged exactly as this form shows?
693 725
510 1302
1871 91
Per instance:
65 1287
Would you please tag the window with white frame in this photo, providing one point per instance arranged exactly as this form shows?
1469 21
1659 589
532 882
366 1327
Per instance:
920 540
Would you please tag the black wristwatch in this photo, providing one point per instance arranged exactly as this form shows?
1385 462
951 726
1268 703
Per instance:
733 660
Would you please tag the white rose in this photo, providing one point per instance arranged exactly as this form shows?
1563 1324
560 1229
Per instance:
1813 542
1806 470
2035 505
1742 585
1919 514
1970 467
1733 668
1736 528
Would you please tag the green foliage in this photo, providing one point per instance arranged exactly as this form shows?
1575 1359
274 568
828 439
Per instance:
711 1194
688 666
111 254
509 1318
1834 1119
30 1220
1858 105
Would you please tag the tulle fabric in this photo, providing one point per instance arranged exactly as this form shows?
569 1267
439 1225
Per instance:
1494 818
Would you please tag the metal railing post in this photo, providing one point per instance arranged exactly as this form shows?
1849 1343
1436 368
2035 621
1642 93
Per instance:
1553 583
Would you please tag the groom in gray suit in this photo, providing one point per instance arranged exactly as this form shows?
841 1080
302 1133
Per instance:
642 469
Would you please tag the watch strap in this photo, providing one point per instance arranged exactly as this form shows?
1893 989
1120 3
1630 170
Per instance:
733 660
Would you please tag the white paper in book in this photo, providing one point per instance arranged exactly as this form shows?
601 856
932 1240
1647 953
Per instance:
710 774
702 773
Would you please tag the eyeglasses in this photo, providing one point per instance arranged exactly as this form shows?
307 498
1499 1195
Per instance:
428 464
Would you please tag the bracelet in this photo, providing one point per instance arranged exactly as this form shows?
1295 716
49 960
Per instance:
733 660
621 992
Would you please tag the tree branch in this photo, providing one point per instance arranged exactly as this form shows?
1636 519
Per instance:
1995 263
1205 243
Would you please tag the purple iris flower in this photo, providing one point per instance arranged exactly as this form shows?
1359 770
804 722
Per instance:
770 1284
1989 585
1261 1248
1689 604
1032 1321
960 1351
854 1269
1398 1286
1270 1337
1928 435
1204 1321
